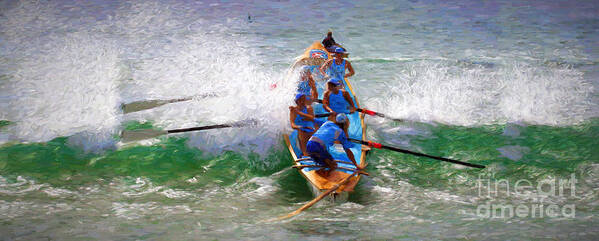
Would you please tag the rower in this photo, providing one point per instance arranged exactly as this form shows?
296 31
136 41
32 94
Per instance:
327 134
337 100
329 43
301 117
306 85
335 68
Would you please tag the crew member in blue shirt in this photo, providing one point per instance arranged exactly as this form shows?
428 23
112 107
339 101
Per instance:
335 68
324 138
337 100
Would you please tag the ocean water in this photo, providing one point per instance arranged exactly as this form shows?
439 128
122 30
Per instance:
507 84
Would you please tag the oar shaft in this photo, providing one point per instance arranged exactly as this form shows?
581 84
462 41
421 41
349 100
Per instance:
365 111
378 145
369 112
234 124
199 128
136 135
433 157
320 197
338 167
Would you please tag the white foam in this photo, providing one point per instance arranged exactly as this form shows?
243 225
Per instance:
202 60
219 66
71 80
512 92
65 86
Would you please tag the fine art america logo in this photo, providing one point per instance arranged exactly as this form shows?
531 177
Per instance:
535 201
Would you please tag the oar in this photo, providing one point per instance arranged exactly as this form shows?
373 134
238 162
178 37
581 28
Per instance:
338 167
136 135
149 104
370 112
322 115
379 146
373 113
320 197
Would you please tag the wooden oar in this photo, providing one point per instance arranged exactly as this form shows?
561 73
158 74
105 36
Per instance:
379 146
365 111
315 200
149 104
136 135
308 158
338 167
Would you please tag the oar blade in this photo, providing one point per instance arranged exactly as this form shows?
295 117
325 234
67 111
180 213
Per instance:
142 105
149 104
138 135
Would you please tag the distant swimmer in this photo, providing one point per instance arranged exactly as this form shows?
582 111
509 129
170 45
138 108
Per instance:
306 85
329 133
301 117
335 68
329 43
336 100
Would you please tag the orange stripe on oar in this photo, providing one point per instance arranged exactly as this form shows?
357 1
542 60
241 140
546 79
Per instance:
368 112
374 144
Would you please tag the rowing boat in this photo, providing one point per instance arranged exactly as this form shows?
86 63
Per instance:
313 57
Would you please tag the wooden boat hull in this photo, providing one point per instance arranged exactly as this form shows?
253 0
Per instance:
314 56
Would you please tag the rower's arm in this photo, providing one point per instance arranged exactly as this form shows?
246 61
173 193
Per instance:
310 111
312 84
351 157
309 115
351 69
324 67
292 115
325 101
349 99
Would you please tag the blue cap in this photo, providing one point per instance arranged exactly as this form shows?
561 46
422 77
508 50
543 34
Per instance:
298 96
339 50
341 118
334 81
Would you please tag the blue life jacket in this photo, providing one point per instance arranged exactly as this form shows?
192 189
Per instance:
338 103
337 70
305 124
330 132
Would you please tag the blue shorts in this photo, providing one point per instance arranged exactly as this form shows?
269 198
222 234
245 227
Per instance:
318 153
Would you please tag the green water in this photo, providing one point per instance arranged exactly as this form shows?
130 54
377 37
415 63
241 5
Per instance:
549 151
165 189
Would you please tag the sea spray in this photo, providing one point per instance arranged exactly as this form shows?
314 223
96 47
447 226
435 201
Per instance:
212 64
65 86
475 95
